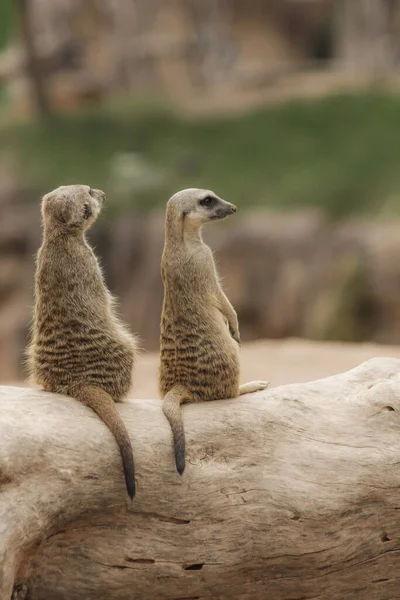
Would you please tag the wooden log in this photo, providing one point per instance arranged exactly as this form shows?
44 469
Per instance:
288 494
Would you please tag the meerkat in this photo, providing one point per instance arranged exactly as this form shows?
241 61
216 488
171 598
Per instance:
200 339
79 347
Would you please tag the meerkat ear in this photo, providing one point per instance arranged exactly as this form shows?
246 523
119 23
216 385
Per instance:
63 211
185 213
55 207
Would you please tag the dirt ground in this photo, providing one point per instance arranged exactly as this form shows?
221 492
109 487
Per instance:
280 362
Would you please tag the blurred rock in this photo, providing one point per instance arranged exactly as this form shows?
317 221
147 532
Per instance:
19 239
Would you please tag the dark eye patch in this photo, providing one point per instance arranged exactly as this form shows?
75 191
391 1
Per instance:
208 201
87 212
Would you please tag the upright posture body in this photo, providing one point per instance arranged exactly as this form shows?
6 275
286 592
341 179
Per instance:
199 327
79 347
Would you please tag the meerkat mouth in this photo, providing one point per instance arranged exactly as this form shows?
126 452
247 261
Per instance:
221 214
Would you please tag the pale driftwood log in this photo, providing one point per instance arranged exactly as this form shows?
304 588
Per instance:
293 493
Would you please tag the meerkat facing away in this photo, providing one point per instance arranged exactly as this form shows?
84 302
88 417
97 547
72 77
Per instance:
199 326
79 347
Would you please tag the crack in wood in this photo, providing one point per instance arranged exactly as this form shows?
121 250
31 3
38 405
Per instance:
194 567
140 561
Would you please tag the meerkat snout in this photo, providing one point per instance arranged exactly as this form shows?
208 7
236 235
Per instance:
222 209
94 204
99 195
230 209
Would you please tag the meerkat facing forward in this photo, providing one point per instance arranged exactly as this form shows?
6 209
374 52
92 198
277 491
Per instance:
199 327
79 347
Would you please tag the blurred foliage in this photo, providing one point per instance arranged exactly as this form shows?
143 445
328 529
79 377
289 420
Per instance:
7 17
340 154
7 21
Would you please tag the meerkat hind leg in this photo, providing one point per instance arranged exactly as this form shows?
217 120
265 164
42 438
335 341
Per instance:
253 386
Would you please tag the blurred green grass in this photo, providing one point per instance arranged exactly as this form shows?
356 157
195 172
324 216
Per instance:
340 154
7 22
7 18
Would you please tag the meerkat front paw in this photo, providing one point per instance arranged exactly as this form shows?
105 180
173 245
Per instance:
253 386
20 592
235 334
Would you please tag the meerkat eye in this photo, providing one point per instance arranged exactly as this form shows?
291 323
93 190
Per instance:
208 201
87 213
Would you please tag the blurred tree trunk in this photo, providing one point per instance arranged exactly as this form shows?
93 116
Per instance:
214 54
363 35
142 57
34 67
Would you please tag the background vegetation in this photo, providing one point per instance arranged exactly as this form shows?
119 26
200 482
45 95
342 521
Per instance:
340 154
7 16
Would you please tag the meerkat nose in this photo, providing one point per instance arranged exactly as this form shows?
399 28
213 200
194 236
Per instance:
233 208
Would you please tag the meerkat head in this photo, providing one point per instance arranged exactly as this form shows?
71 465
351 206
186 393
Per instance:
197 207
72 207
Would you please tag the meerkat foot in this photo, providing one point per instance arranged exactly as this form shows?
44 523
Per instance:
253 386
20 592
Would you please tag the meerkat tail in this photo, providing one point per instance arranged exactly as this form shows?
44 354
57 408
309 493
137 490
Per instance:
104 406
173 411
